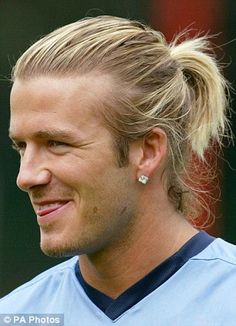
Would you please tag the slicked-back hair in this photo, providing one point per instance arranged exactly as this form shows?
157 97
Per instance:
177 87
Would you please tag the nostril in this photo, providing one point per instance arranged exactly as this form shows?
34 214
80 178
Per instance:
28 178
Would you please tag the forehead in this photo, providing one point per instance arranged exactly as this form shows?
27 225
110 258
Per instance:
71 101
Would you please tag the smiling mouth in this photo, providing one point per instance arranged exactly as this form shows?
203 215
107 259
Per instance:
46 209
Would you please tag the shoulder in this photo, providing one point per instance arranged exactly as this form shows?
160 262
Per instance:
219 250
40 285
215 264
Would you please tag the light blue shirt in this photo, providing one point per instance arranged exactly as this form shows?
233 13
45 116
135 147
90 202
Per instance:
201 293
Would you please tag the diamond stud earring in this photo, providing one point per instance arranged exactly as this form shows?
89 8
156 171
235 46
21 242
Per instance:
143 179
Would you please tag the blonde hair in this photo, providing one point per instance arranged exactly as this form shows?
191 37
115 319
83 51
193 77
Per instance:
177 87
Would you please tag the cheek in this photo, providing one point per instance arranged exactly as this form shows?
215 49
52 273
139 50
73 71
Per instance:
73 168
87 176
97 184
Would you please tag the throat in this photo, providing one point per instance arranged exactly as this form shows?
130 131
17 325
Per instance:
115 270
114 306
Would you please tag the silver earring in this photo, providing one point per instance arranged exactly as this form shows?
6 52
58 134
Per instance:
143 179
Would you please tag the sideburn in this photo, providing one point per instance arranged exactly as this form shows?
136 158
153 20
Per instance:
121 147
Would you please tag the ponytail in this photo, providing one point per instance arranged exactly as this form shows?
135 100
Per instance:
207 89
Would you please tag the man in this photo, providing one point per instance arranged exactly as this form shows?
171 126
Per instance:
105 116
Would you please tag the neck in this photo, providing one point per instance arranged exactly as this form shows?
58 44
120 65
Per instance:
152 240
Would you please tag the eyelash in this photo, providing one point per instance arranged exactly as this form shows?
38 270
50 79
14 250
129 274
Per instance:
18 146
54 143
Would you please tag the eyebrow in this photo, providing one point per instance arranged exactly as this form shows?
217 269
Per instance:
51 134
45 134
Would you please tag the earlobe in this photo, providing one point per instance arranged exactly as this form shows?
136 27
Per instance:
154 149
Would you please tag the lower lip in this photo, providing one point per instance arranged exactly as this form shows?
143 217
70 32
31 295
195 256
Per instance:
53 215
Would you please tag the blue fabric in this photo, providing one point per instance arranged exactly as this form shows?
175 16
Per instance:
114 308
200 293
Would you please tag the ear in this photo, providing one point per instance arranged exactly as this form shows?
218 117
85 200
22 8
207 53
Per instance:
154 152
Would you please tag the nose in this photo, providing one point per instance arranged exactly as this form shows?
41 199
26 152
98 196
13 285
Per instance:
32 172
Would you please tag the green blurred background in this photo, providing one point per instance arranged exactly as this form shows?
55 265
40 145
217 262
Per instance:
21 23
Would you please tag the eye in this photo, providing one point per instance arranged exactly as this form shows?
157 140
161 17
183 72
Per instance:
58 147
19 147
55 143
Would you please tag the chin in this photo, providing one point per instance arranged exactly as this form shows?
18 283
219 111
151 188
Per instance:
55 247
53 244
58 251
